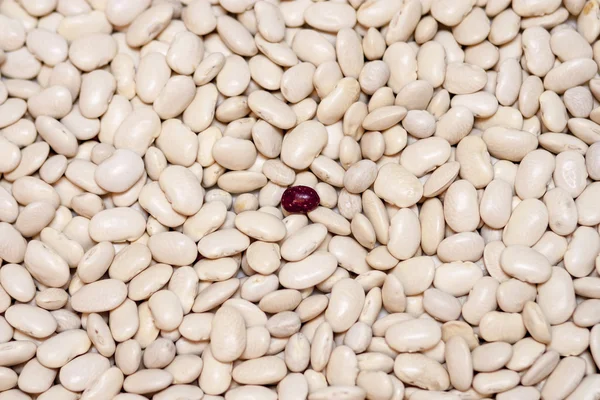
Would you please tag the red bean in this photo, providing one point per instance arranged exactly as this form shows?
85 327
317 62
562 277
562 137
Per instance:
300 199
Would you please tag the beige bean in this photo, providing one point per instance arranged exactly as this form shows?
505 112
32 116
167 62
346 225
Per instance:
147 381
569 74
89 297
460 207
498 326
578 342
403 195
509 144
338 101
18 282
527 223
421 371
147 25
81 372
345 305
558 306
455 124
525 264
578 258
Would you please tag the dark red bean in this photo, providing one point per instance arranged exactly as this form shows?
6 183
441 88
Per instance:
300 199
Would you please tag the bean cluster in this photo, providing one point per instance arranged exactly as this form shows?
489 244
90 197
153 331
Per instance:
299 200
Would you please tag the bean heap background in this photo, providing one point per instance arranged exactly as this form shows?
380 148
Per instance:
144 149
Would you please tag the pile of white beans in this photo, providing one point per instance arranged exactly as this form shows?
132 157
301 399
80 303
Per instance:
144 149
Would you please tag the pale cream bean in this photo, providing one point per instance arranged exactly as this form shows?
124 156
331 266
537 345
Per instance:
175 97
579 339
124 322
166 311
373 76
426 29
236 36
505 27
407 188
533 174
440 305
117 224
569 372
525 264
27 189
120 171
154 200
20 64
460 207
413 335
95 262
455 124
149 281
270 21
147 25
586 215
527 223
552 246
475 162
562 213
51 299
92 51
513 294
345 16
481 104
491 357
55 102
421 371
431 63
402 60
313 47
457 278
17 352
78 23
34 217
499 326
578 101
572 183
280 53
303 144
62 348
569 74
11 111
494 382
349 253
147 381
559 142
508 82
509 144
415 95
172 248
123 69
578 258
338 101
464 78
97 89
349 52
44 264
198 17
569 44
31 320
260 371
89 297
556 297
100 335
60 139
